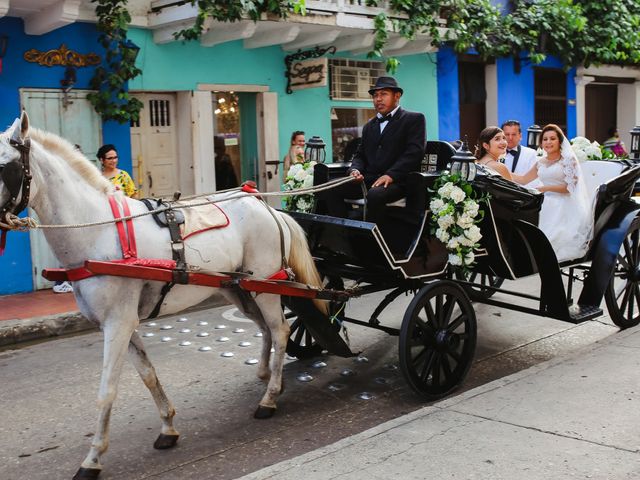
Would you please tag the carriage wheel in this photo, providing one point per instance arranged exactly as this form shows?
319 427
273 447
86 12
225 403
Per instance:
480 292
437 339
623 293
301 343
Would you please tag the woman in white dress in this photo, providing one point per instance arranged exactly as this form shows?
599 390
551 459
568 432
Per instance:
566 217
492 146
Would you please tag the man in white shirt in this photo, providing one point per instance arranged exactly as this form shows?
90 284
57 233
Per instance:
519 159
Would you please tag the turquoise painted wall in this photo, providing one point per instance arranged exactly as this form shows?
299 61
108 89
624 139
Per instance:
181 66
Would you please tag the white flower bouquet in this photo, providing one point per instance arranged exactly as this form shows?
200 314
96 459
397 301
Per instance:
455 212
300 175
586 150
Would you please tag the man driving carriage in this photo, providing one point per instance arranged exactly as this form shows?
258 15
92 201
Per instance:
392 145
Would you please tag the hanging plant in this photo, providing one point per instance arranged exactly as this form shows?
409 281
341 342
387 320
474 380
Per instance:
111 99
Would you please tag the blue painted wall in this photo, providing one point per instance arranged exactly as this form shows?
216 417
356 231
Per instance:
16 265
515 93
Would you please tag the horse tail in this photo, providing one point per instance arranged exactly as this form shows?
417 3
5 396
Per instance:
301 261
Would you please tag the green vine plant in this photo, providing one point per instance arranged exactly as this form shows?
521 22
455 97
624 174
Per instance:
111 98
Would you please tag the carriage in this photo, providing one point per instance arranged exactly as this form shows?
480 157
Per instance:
120 281
437 336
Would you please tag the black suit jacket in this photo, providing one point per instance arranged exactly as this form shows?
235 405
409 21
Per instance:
396 152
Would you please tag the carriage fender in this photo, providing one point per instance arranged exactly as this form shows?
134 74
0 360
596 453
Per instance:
605 252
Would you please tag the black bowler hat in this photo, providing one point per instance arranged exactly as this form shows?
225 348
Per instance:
386 82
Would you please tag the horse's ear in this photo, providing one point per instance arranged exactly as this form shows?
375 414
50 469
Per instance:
24 124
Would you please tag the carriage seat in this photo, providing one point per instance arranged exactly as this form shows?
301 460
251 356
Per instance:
596 173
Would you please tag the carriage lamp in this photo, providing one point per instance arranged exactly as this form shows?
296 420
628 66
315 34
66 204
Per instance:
533 136
315 150
463 163
634 152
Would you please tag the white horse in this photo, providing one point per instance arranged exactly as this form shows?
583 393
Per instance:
67 189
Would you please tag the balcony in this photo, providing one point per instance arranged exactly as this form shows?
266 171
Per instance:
346 24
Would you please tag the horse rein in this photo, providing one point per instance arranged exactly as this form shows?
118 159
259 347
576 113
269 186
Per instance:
17 177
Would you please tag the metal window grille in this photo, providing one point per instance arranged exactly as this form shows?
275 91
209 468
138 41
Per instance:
550 87
351 79
159 113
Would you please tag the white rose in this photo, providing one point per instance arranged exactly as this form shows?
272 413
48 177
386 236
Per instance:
457 194
445 221
454 259
581 142
469 258
593 152
471 207
308 182
452 244
582 156
436 205
295 168
303 205
473 234
291 184
465 220
300 175
442 235
445 190
464 241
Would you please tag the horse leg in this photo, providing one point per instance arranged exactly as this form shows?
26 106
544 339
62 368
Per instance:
274 318
117 334
168 435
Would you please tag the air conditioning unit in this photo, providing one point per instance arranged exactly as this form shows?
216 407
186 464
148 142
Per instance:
350 83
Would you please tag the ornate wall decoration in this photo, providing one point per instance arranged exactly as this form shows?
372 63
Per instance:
61 56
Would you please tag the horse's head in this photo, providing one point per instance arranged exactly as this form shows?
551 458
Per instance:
15 171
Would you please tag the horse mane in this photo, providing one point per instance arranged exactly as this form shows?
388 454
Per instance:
76 159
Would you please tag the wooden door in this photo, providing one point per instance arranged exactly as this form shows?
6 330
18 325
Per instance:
72 117
601 111
473 96
154 146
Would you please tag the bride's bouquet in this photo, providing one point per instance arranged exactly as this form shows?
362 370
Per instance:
300 175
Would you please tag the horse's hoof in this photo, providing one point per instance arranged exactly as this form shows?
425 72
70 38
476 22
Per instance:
87 474
264 412
165 441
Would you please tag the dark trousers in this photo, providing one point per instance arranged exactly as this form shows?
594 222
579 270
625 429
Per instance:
377 199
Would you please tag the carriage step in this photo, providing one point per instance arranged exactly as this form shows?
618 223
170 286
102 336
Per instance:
582 313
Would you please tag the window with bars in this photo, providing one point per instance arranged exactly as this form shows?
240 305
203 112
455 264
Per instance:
159 113
352 79
550 87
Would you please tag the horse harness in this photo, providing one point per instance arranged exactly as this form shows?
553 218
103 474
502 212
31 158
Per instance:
16 176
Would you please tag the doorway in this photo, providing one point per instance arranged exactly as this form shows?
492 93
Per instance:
473 96
71 116
154 146
601 112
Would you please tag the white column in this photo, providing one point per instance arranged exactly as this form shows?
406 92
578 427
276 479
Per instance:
491 86
268 148
581 123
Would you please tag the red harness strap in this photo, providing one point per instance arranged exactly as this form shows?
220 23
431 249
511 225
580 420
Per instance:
128 241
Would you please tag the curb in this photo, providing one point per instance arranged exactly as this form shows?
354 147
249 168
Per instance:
14 332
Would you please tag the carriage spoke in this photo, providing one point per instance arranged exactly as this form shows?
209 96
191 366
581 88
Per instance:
456 356
427 367
299 329
308 338
627 252
625 298
446 368
456 323
634 239
449 306
630 301
636 294
431 316
435 373
439 313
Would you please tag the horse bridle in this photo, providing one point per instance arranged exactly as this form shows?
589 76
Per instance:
16 175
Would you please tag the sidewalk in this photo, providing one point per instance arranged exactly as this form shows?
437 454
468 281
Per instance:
571 417
37 315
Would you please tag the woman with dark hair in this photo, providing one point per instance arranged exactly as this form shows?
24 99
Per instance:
108 156
566 217
492 146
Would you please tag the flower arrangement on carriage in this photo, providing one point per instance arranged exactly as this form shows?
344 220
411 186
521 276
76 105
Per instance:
300 175
587 150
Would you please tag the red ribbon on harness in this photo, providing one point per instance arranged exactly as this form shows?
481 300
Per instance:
128 241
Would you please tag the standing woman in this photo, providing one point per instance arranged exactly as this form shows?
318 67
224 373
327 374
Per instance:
566 217
492 146
296 151
108 157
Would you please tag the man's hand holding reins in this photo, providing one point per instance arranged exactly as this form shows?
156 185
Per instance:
357 175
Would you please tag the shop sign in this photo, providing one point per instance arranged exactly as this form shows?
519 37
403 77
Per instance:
308 73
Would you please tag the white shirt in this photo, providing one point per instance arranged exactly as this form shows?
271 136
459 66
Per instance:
386 122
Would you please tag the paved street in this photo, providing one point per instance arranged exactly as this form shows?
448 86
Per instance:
49 392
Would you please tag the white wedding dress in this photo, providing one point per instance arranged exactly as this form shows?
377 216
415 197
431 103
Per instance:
566 218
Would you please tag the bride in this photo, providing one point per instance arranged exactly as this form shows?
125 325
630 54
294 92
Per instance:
566 217
492 146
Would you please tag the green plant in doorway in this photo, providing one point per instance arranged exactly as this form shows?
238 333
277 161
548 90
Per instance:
111 98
